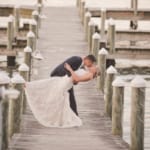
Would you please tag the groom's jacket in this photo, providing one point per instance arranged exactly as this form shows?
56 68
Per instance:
75 62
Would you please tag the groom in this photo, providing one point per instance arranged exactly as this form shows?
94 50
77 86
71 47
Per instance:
75 62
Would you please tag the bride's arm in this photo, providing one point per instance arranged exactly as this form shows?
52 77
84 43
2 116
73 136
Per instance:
77 78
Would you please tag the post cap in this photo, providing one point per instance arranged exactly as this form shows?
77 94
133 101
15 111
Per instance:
30 34
4 78
103 9
23 67
33 22
35 13
138 82
11 93
39 5
91 23
111 21
17 79
17 6
103 51
118 82
11 18
88 14
111 70
96 36
27 49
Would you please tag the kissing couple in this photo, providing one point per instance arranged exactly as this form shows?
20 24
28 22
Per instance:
52 100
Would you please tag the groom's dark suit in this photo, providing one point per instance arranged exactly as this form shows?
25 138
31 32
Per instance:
75 62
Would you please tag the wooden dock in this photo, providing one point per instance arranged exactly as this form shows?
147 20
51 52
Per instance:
62 36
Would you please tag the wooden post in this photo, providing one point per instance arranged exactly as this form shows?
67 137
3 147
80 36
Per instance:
111 35
33 27
91 31
4 82
31 40
39 9
40 1
103 19
17 19
82 11
138 85
14 118
10 31
77 3
111 72
87 19
28 59
102 66
35 16
24 72
95 44
117 106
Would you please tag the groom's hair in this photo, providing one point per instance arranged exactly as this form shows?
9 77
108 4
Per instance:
92 58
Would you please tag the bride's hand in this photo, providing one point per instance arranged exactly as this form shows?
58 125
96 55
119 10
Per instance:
68 67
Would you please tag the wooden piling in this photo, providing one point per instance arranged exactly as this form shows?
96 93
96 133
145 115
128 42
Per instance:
95 44
102 55
103 19
138 85
5 80
40 1
87 19
110 75
17 19
117 106
33 27
28 59
14 116
111 36
35 15
82 11
31 40
10 31
77 3
91 31
24 72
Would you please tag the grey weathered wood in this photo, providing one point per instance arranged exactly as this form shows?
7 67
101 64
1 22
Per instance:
91 31
28 59
110 76
35 16
82 11
137 114
117 107
103 19
31 40
10 33
121 13
87 19
102 66
111 36
95 44
17 19
24 72
34 28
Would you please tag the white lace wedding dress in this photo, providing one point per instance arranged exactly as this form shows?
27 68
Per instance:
49 101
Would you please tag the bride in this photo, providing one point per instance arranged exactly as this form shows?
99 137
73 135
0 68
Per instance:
49 98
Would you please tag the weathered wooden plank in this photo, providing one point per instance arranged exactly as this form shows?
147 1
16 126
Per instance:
25 11
121 13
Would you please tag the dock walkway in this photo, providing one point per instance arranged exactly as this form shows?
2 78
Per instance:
62 36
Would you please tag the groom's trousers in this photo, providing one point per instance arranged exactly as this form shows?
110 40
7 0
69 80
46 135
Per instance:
73 104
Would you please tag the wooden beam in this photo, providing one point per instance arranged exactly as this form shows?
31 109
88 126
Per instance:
121 13
25 11
6 52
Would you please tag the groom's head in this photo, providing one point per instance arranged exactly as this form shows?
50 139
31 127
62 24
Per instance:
89 60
